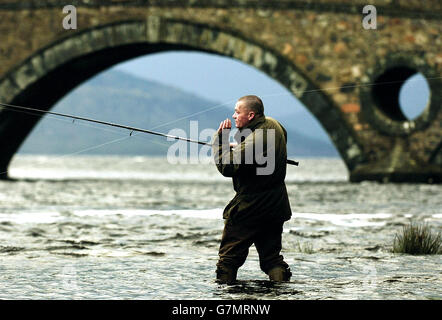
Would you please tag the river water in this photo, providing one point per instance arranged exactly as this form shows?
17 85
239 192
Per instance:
95 227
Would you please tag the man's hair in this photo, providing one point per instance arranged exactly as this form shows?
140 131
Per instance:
253 103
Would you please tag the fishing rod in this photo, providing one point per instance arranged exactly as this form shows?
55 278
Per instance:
132 129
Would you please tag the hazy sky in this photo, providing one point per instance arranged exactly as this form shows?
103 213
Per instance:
224 80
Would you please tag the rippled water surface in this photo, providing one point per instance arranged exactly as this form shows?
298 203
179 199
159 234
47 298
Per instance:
141 228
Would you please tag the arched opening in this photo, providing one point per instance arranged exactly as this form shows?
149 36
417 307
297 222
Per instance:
165 91
222 79
414 96
386 91
46 77
401 93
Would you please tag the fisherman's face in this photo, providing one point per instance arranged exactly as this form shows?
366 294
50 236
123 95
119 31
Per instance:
243 116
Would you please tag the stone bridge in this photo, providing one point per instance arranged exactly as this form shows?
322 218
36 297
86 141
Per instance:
347 76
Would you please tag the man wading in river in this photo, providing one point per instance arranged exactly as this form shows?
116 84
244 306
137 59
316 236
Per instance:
257 165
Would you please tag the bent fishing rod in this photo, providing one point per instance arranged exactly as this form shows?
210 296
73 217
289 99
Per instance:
132 129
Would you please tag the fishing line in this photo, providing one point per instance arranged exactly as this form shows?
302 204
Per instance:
200 112
196 113
86 124
276 95
350 86
286 93
8 106
105 144
49 116
290 93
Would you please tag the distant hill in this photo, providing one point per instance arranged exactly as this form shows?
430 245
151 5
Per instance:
118 97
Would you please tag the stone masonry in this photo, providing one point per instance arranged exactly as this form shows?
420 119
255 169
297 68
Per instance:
347 76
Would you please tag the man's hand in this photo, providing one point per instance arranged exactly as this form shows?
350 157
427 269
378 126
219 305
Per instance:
226 124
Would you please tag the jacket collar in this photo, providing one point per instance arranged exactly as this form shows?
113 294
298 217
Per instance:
254 123
251 126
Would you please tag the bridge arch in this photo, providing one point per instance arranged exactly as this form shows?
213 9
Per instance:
53 71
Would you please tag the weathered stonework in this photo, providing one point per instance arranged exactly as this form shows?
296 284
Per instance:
317 49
